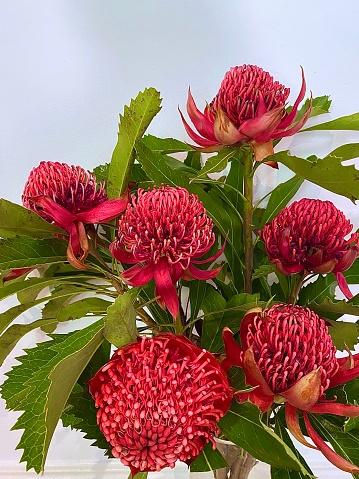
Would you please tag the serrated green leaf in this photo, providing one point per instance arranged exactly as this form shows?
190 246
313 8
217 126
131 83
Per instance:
243 426
320 105
120 321
133 124
41 384
16 220
83 307
344 334
165 145
217 163
329 173
209 460
263 270
280 197
24 252
349 122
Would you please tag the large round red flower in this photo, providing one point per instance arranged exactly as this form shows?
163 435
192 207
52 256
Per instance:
159 401
69 197
163 231
288 356
309 235
249 107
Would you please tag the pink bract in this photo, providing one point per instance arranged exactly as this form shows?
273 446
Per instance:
159 401
288 356
250 107
309 236
163 232
69 197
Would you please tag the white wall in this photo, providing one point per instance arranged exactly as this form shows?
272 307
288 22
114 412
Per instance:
68 67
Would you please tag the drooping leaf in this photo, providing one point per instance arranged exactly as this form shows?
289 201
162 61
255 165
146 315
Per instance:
24 252
329 172
243 426
348 122
83 307
16 220
218 162
133 124
120 321
41 384
209 460
280 197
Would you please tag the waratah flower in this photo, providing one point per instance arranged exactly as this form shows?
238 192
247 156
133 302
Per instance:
288 356
309 236
159 401
162 233
250 107
69 197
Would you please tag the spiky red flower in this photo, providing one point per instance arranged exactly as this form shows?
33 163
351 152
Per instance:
165 230
287 355
159 401
309 235
250 107
69 197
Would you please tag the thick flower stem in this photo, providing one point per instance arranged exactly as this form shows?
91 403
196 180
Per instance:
247 221
292 299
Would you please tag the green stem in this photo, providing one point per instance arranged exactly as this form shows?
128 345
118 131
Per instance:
292 299
247 221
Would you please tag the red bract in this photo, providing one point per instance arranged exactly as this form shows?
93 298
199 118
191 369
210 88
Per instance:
287 355
250 107
165 229
309 236
159 401
69 197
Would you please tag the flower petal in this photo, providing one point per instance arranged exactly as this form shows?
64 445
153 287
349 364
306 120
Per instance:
59 214
288 120
261 127
331 455
194 136
343 285
16 273
120 254
225 131
165 286
305 392
296 127
292 420
106 211
262 396
347 410
347 260
213 257
234 353
201 122
138 275
202 274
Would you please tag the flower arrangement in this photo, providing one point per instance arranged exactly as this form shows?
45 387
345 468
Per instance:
200 316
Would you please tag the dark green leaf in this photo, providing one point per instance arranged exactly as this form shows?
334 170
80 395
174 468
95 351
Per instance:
165 145
120 321
193 160
18 221
24 252
197 291
133 124
263 270
349 122
208 460
213 301
41 384
243 426
318 291
218 162
280 197
329 173
344 334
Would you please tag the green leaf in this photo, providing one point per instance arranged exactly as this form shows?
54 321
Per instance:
24 252
352 423
197 291
41 384
213 301
217 163
139 475
329 173
278 473
280 197
193 160
16 220
344 334
133 124
208 460
165 145
349 122
120 321
243 426
83 307
320 105
318 290
263 270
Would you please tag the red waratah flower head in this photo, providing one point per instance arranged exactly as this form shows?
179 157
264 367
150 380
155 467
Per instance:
250 107
309 235
288 356
69 197
159 401
165 230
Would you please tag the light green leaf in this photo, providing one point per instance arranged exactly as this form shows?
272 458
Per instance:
349 122
280 197
165 145
208 460
120 321
329 173
16 220
344 334
133 124
320 105
83 307
139 475
243 426
217 163
41 384
24 252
